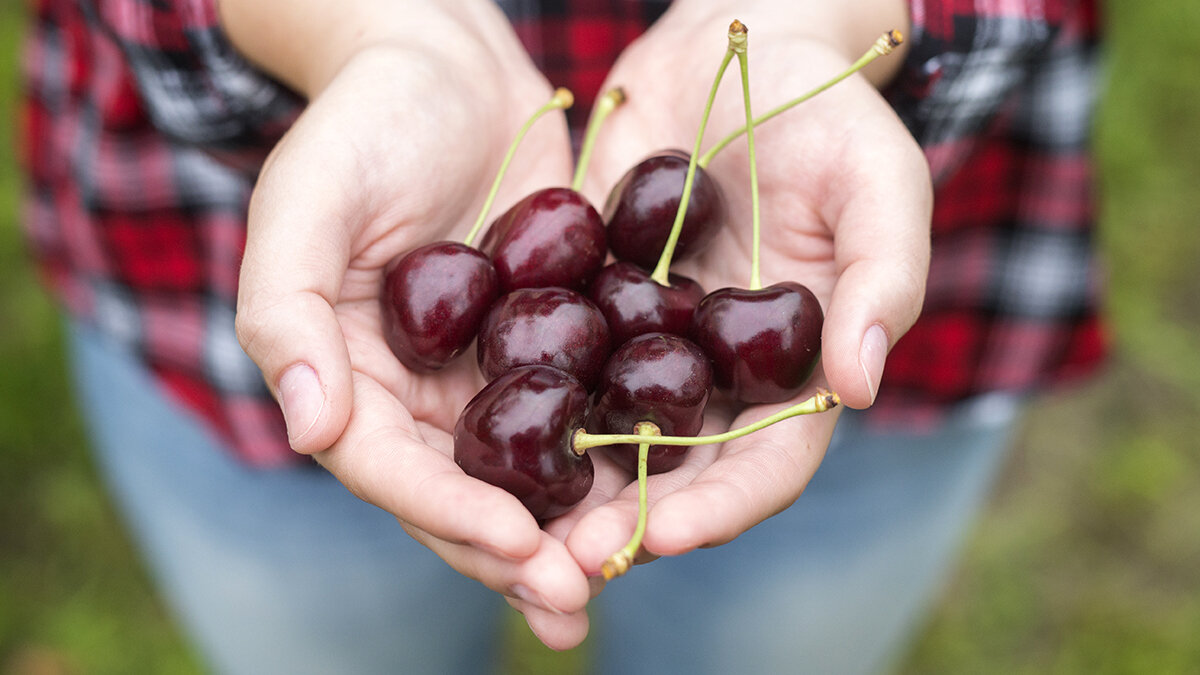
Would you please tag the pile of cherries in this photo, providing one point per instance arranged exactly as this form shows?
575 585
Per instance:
568 342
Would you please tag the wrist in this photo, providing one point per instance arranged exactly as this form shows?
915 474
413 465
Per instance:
305 44
844 28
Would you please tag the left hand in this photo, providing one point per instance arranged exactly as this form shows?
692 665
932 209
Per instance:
845 208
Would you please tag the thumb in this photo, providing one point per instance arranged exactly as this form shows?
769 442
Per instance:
882 250
297 253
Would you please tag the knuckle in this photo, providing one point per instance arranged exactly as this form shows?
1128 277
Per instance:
248 326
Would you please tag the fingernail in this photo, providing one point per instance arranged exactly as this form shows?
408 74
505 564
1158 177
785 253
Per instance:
871 357
302 399
531 596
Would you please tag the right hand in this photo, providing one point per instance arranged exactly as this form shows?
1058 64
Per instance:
397 148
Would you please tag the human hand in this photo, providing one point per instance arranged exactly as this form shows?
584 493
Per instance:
845 205
396 149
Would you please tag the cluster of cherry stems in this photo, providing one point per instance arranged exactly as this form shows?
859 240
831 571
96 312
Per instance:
623 356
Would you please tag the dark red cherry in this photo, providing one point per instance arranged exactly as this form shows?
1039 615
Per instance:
516 434
433 301
763 344
641 209
660 378
548 326
634 304
553 237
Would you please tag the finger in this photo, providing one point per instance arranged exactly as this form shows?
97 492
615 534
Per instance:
881 239
382 459
548 579
755 477
606 529
297 251
557 631
612 482
608 482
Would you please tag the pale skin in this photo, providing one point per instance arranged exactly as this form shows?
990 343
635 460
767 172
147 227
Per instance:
412 107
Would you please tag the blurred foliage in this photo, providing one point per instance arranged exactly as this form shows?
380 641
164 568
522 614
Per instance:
1085 561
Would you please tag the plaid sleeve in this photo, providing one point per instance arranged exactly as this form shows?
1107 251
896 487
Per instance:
1000 95
967 60
194 85
144 130
143 134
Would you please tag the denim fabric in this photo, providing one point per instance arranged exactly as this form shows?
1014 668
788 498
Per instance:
838 583
272 570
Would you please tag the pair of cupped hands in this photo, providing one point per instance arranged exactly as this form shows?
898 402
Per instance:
397 148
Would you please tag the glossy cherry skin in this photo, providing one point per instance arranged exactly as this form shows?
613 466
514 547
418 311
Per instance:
634 304
516 434
548 326
433 300
659 378
763 344
553 237
641 209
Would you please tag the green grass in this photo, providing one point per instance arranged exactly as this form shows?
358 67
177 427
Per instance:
1085 561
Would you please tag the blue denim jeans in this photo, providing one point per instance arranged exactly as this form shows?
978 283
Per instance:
283 571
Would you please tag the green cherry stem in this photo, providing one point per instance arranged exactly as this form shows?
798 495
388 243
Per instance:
882 47
561 100
620 562
739 47
610 101
662 270
823 400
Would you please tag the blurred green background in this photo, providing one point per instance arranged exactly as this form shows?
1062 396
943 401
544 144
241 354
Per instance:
1086 561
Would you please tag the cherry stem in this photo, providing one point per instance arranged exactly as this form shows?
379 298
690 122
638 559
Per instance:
882 47
820 402
561 100
610 101
756 220
620 562
662 271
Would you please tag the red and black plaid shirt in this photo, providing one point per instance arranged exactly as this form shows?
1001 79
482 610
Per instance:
144 131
